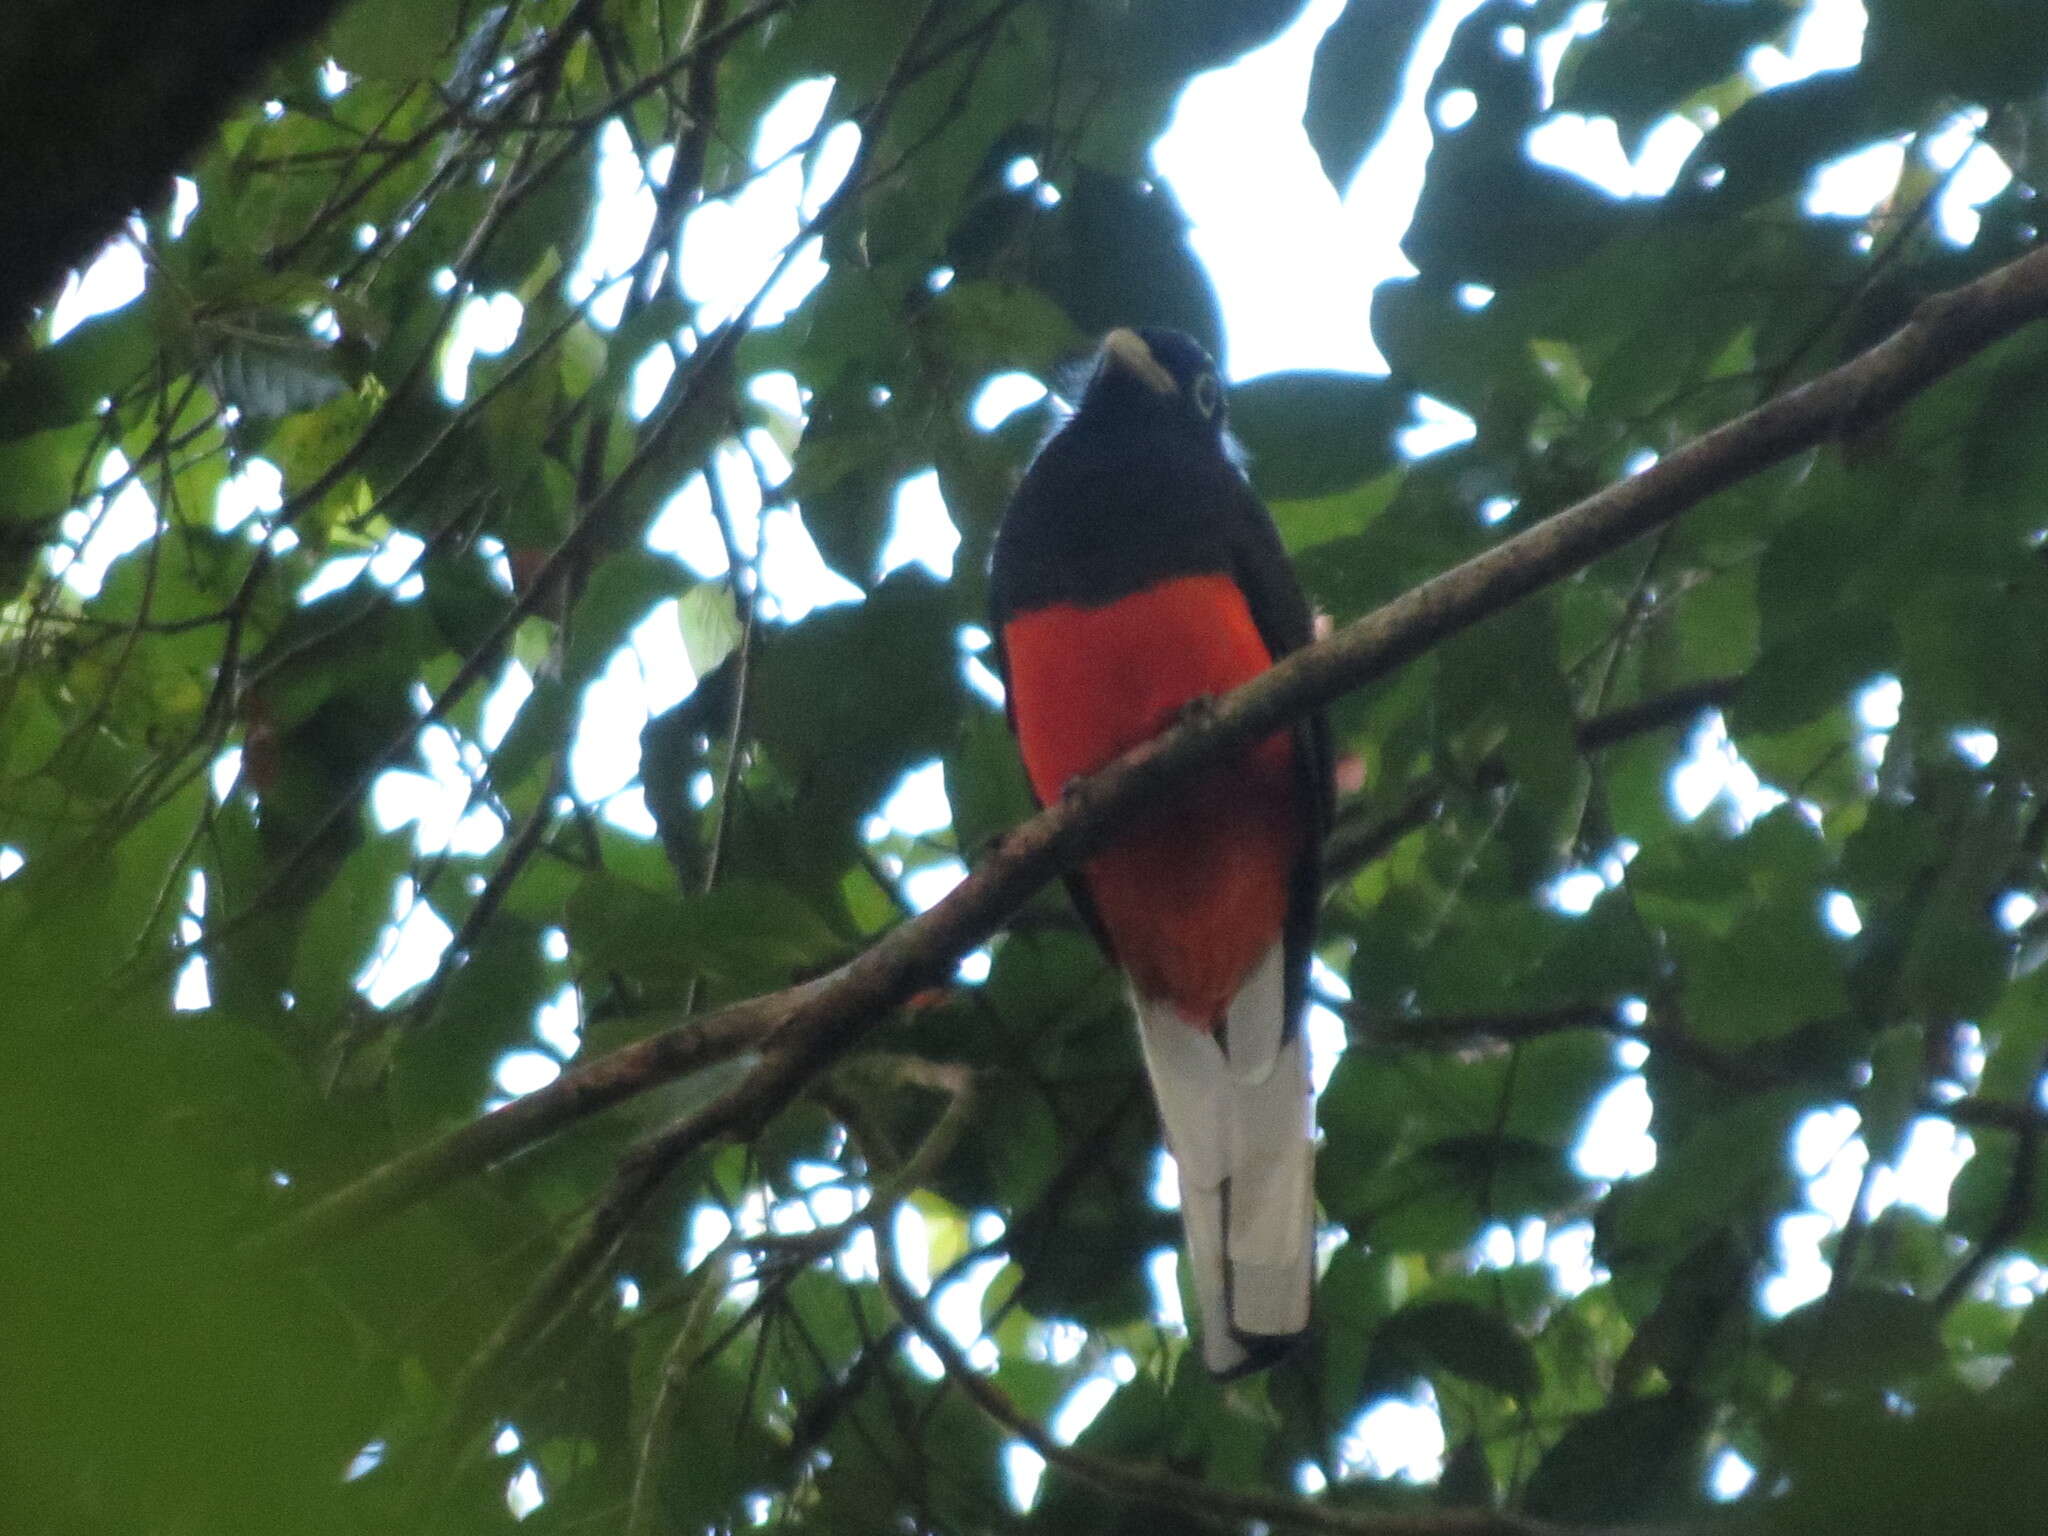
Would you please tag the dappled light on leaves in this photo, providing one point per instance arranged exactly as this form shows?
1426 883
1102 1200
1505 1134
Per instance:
500 724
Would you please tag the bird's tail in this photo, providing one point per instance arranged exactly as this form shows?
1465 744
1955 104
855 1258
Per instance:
1240 1120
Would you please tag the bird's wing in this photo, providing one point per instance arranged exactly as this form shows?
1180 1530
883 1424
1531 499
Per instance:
1286 623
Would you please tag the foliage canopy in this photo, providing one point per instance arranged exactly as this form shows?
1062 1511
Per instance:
198 883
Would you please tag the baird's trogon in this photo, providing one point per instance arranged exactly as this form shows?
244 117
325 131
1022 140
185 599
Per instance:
1135 572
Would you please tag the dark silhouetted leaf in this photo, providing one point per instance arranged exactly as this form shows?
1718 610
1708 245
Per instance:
1357 79
1459 1337
1314 434
1632 1460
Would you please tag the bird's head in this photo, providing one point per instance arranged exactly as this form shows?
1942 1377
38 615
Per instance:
1151 376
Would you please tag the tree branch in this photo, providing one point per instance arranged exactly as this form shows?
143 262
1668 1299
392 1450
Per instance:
1452 1032
2015 1208
591 1089
688 1351
1680 706
803 1029
1225 1508
1463 1031
1354 844
1976 1113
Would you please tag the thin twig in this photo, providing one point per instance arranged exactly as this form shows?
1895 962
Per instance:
2015 1210
1356 843
1207 1503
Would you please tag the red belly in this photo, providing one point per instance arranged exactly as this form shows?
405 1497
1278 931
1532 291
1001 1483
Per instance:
1195 891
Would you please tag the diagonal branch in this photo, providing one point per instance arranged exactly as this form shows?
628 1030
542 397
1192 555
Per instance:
2015 1208
803 1029
1681 706
1203 1503
1355 843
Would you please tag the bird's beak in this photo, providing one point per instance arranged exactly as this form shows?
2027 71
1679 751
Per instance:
1125 348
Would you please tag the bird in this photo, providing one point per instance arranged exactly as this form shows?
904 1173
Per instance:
1134 574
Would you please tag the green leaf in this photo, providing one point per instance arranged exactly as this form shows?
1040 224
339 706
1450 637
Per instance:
545 223
1452 1188
1489 214
38 474
710 624
537 732
441 1069
847 470
99 359
1653 54
1767 147
1892 1097
1775 970
701 1482
1324 519
1197 35
1115 252
1356 81
1315 434
1730 1163
748 931
1467 1481
465 599
985 783
1860 1339
619 595
339 938
1501 696
1861 1466
1635 1460
1982 50
1132 1426
393 39
861 693
1809 673
1461 1337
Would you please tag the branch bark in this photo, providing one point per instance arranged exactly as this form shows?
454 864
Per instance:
2015 1208
1354 844
1204 1503
1681 706
1455 1032
803 1029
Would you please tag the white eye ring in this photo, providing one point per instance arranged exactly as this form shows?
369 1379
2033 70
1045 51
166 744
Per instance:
1208 394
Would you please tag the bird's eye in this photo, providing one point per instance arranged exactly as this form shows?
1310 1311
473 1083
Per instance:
1208 394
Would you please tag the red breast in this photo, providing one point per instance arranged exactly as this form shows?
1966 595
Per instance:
1196 891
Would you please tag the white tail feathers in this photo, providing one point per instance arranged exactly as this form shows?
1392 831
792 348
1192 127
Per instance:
1240 1121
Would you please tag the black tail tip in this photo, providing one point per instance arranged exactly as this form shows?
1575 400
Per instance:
1261 1350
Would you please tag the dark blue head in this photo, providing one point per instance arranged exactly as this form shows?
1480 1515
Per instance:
1156 378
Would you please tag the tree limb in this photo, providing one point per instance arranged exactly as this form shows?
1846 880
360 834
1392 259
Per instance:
2015 1208
1974 1112
1454 1032
1224 1508
802 1029
1680 706
1466 1031
1355 843
591 1089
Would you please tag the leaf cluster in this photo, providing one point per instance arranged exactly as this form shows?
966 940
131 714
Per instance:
201 878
